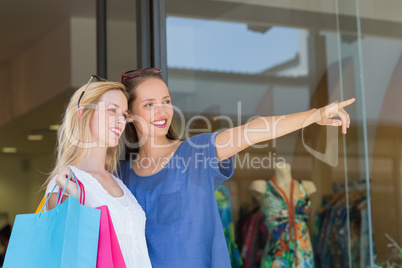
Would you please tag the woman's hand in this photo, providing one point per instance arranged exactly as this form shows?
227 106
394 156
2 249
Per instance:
335 109
61 180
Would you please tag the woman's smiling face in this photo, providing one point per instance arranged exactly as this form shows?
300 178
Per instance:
152 109
109 119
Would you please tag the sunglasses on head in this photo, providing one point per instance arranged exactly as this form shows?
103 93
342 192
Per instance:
136 73
94 78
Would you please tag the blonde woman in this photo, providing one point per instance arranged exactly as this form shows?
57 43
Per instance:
88 145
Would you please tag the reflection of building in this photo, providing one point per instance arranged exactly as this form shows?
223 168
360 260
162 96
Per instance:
48 50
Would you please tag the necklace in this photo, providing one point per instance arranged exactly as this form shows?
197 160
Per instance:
291 213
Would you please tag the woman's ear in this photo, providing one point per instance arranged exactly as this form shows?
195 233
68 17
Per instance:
80 111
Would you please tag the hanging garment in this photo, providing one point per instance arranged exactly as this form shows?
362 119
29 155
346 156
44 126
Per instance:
337 235
222 197
289 242
242 224
255 241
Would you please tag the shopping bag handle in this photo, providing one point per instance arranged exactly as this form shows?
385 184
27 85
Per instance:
58 194
60 197
79 185
82 192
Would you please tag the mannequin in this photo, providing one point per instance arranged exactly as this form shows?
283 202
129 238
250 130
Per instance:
285 204
283 178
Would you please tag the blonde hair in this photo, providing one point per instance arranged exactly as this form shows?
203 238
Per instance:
74 134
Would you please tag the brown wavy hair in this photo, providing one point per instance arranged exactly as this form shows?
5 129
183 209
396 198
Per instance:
131 85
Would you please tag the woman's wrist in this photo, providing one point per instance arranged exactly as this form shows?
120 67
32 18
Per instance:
317 115
314 117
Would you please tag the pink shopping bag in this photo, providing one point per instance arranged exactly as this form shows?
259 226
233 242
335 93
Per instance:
109 252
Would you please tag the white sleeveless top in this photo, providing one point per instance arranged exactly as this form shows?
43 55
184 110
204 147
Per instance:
127 216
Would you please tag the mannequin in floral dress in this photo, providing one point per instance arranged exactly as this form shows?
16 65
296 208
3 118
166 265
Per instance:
285 204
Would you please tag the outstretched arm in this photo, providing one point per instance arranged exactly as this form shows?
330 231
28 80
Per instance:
234 140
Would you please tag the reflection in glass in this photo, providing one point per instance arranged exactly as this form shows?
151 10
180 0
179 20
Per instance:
270 58
233 47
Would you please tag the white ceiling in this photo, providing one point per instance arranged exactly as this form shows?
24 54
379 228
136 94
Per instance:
23 22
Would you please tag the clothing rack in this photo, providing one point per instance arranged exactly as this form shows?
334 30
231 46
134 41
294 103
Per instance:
359 185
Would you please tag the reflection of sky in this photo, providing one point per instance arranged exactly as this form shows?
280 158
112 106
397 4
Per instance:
375 81
200 44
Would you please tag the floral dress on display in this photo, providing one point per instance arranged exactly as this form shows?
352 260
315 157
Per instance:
289 242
